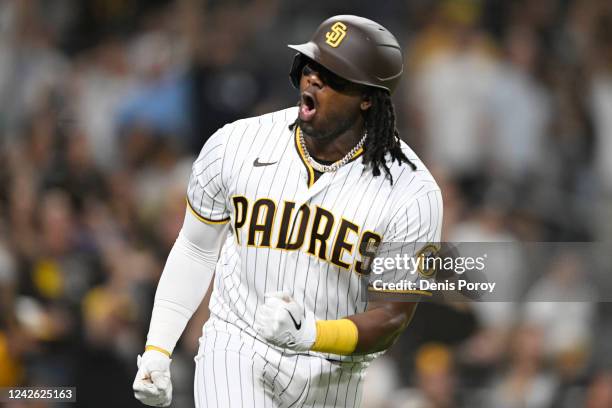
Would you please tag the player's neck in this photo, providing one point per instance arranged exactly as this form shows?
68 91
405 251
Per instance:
331 150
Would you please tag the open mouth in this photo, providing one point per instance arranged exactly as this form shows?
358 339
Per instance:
308 106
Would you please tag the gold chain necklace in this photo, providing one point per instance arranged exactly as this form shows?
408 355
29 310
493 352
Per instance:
328 168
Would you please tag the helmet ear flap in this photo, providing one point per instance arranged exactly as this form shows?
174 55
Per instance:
299 60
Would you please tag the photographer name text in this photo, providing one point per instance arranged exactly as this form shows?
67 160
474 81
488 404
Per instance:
427 285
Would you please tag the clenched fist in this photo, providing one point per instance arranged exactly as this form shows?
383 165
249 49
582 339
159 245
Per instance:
283 322
152 385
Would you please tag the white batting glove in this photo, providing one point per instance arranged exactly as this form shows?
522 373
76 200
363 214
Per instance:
152 385
283 322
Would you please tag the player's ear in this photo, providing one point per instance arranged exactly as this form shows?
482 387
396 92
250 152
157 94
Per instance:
366 101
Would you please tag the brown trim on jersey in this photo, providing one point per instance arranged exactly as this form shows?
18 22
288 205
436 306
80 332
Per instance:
312 173
202 218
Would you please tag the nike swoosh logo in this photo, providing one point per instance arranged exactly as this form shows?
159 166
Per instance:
296 324
257 163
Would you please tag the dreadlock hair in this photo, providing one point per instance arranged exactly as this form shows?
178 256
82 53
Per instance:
383 135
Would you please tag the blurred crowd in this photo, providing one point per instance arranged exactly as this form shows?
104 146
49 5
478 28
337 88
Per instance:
104 105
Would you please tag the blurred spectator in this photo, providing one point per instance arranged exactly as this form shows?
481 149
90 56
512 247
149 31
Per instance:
558 304
229 80
599 393
517 140
31 65
453 69
379 384
160 100
525 383
601 88
99 86
11 371
504 265
73 170
435 380
8 280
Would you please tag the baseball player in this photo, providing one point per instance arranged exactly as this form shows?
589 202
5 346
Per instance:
281 210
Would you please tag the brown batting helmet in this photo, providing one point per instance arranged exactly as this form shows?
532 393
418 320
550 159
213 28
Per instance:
354 48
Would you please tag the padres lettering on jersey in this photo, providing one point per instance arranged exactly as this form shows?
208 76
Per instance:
305 228
289 232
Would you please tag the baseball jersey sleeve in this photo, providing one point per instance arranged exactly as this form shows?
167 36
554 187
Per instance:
417 221
414 230
206 193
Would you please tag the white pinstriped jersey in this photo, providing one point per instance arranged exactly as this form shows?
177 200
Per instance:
289 232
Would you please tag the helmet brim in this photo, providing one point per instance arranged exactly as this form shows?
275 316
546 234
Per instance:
335 64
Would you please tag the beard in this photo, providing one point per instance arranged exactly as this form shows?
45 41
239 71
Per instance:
329 128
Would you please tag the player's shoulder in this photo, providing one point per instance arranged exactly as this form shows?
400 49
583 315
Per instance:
409 182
